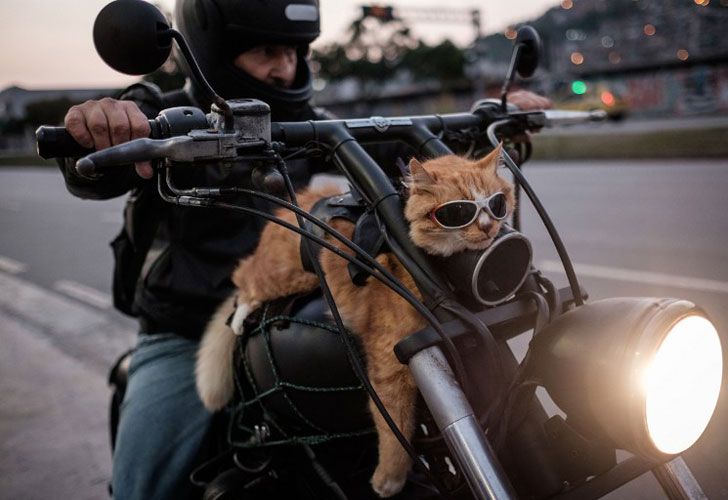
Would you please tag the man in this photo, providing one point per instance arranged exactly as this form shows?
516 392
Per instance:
245 49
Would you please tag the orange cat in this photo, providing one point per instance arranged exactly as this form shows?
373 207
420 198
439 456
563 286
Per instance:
376 314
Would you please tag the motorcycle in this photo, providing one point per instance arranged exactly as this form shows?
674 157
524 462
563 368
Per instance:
610 365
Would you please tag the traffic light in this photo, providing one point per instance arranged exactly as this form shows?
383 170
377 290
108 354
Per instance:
384 13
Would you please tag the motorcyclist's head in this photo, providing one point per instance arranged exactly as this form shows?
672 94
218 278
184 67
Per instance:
253 48
272 64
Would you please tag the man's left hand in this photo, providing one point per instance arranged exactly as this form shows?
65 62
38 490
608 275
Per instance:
528 101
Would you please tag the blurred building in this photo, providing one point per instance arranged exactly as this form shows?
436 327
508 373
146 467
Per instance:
22 110
652 58
661 58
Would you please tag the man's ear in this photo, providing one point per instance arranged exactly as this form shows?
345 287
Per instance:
418 176
493 159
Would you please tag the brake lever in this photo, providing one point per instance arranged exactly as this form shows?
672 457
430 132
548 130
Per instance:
198 145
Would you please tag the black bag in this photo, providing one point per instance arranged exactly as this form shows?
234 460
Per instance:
143 207
142 213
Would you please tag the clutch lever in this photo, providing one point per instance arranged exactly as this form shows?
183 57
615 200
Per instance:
198 145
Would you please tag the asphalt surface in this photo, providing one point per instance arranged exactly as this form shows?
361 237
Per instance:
632 228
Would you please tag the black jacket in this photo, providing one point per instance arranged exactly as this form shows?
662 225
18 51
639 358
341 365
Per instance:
194 250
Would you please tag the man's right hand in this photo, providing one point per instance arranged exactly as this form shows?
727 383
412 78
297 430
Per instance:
108 122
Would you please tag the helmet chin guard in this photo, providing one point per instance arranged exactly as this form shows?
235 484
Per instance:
218 30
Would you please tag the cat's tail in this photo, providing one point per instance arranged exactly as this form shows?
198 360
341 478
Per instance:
214 373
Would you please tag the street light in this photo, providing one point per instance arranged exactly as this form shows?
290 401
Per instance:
641 374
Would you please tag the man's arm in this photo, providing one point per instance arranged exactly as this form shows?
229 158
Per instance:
528 101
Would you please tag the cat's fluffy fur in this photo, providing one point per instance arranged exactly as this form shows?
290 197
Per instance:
379 316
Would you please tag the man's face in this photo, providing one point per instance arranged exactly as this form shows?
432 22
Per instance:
272 64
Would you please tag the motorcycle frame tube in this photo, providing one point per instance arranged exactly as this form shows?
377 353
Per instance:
456 421
376 186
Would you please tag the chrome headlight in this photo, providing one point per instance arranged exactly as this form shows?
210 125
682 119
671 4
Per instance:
642 373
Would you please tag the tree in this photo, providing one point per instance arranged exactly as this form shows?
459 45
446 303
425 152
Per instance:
444 62
372 52
379 48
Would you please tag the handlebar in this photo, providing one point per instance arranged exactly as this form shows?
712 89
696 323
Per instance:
56 142
203 143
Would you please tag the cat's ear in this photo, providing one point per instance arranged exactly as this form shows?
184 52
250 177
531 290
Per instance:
494 159
418 178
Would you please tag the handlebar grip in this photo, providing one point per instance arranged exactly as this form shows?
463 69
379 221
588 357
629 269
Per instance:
56 142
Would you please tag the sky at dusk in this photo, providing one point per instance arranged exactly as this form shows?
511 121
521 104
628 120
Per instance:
48 44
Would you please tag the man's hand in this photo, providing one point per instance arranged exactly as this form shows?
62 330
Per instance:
528 101
108 122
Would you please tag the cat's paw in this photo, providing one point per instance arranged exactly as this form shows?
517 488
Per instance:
386 483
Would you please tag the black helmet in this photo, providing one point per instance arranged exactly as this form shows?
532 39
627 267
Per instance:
219 30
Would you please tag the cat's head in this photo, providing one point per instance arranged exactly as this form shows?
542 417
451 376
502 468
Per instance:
450 178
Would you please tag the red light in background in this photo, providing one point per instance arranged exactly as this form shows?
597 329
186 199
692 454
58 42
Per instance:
607 98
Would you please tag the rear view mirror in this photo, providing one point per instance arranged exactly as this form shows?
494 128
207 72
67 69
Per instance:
530 51
132 36
524 59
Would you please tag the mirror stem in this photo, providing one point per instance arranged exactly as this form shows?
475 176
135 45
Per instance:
201 80
510 75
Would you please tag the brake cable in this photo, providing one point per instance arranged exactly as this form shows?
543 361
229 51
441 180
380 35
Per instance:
351 349
386 278
560 248
394 285
449 345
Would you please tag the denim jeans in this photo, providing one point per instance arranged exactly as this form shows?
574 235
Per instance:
163 422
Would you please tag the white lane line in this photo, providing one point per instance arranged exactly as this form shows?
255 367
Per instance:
11 266
84 293
622 274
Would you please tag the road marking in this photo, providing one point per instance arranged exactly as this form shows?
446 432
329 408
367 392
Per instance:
622 274
87 333
11 266
84 293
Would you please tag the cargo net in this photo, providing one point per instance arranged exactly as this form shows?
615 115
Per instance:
272 406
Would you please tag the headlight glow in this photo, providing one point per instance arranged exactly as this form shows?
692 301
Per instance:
682 384
641 374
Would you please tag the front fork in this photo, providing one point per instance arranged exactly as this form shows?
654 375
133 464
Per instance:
457 422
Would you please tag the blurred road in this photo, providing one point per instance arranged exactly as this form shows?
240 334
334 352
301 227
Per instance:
633 228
